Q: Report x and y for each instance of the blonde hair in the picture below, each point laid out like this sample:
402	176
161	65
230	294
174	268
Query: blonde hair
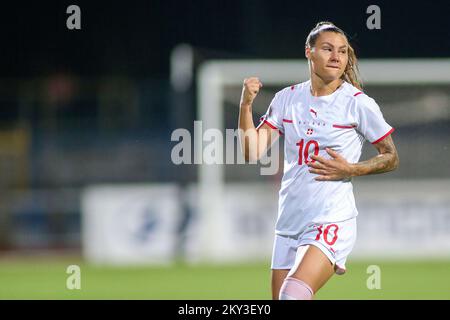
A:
351	72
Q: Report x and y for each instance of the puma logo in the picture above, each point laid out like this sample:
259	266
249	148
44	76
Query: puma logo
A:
313	111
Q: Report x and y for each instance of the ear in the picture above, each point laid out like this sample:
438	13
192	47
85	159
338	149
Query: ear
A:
308	53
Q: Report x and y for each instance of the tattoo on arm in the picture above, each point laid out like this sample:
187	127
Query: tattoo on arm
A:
387	159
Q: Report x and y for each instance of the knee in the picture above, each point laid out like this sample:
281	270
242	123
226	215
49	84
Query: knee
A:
295	289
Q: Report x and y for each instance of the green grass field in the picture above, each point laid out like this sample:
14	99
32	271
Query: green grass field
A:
46	279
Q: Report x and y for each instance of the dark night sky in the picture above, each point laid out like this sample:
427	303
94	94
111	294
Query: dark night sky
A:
135	37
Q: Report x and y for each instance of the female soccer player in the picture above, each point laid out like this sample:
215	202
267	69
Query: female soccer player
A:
324	122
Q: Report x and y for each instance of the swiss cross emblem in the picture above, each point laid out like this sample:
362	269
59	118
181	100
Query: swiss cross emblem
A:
309	132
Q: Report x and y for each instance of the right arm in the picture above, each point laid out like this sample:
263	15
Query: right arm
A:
254	142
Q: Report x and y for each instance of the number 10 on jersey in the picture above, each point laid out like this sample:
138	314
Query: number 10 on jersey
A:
303	150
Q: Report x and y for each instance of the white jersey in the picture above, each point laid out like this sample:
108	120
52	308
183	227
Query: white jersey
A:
340	121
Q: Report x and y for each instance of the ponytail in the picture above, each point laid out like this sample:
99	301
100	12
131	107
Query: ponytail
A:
351	73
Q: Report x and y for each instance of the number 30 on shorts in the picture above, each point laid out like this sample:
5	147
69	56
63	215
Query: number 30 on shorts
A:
326	233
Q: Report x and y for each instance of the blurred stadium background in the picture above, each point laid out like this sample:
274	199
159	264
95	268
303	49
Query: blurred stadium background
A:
86	123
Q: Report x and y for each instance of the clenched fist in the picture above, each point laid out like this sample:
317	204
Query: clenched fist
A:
250	90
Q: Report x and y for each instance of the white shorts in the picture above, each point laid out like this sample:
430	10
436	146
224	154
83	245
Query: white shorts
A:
334	239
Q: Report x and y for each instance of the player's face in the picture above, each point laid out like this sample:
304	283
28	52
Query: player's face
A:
329	56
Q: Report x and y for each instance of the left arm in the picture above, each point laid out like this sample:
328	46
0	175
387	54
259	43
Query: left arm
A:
338	168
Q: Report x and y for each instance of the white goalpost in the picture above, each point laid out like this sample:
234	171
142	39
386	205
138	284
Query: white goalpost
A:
214	76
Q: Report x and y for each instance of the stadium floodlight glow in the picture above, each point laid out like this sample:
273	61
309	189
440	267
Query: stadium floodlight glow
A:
214	75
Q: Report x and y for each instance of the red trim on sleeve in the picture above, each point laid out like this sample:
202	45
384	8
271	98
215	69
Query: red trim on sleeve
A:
358	93
382	138
272	126
287	120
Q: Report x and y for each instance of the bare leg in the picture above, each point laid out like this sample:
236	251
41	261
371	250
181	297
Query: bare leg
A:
315	269
278	276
